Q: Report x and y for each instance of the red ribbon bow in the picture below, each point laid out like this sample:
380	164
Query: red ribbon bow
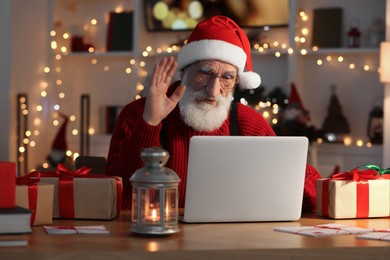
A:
62	170
29	179
356	175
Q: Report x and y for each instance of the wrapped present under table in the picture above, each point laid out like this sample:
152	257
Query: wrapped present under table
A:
354	194
38	197
80	195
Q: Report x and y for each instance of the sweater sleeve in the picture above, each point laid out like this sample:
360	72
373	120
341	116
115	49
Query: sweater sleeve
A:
309	193
131	134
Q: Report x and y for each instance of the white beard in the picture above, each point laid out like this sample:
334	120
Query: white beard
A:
203	116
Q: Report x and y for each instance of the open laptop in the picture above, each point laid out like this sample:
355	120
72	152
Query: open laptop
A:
245	179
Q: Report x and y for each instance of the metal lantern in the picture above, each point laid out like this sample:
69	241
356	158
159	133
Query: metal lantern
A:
354	35
375	125
155	208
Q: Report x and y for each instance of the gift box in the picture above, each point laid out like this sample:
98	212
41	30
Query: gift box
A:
7	184
354	194
38	197
81	195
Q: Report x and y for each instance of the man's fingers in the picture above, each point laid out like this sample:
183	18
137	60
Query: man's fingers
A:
163	74
155	74
177	95
171	72
162	67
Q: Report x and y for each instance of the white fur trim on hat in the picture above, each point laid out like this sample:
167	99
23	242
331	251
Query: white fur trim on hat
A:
211	49
219	50
249	80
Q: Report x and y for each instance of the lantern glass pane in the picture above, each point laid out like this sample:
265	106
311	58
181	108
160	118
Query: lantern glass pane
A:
134	206
171	207
151	207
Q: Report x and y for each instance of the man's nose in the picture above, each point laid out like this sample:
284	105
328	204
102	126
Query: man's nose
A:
214	87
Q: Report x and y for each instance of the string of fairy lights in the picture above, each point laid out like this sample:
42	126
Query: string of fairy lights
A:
269	109
53	90
302	43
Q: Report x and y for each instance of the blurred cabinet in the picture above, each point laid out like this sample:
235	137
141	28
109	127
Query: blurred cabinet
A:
326	157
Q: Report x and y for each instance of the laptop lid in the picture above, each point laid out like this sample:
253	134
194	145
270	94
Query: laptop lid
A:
245	178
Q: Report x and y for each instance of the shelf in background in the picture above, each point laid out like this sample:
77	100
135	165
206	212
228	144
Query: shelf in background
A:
111	54
344	51
325	157
253	52
269	52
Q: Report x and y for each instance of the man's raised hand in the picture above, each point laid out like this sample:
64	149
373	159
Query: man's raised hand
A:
158	105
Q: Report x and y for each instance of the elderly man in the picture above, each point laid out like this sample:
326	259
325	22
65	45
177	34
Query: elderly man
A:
214	61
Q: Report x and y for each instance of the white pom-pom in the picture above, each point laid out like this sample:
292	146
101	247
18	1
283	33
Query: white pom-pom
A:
249	80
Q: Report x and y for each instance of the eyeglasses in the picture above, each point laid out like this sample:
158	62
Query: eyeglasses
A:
205	75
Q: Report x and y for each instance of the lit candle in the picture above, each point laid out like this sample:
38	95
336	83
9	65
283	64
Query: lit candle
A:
154	215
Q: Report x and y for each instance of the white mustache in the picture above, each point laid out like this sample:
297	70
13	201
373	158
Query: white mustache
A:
203	116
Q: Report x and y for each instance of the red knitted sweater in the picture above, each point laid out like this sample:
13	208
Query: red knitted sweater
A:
132	134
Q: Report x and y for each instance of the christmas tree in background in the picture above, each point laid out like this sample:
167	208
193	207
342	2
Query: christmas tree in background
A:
335	125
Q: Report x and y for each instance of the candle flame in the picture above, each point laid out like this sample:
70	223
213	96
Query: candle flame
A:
154	214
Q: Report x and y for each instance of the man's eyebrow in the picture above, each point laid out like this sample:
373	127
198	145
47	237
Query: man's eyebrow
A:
234	72
207	68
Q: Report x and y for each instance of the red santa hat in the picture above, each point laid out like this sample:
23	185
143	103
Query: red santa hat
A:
295	98
222	39
59	142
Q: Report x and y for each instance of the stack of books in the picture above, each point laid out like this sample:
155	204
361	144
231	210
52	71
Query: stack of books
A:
15	220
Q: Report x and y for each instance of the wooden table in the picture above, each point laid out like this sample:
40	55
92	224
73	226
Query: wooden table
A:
194	241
